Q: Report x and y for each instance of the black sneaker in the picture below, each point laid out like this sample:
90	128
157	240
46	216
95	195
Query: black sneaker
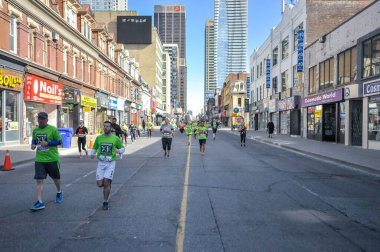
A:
105	205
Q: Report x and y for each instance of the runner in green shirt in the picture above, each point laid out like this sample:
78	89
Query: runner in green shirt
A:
202	131
189	132
45	139
106	147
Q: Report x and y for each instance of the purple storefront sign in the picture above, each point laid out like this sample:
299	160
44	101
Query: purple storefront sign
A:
324	98
371	88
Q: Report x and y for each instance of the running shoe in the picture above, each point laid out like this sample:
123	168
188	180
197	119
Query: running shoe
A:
59	197
38	206
86	153
105	205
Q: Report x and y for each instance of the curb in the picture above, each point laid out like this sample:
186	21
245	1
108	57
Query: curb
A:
353	165
67	152
357	166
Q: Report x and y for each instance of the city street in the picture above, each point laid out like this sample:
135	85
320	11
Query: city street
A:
254	198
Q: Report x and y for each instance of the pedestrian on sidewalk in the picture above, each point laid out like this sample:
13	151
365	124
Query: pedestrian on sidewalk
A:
270	128
202	132
106	147
143	125
243	133
124	128
150	128
167	131
45	139
81	132
116	129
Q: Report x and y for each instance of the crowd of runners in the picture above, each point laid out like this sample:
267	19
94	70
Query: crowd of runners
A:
107	147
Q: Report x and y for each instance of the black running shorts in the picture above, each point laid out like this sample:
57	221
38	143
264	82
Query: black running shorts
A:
51	168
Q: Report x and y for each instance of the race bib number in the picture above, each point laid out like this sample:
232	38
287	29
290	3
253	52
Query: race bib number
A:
105	158
167	134
105	152
40	138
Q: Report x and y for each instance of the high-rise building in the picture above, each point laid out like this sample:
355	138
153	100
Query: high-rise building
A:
170	21
107	5
172	50
210	67
231	32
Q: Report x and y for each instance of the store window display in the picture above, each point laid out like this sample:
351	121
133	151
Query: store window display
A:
374	121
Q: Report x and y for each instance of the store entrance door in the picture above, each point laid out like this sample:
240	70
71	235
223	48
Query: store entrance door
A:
356	122
329	123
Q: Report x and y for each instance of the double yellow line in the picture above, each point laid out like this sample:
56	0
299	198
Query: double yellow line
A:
182	220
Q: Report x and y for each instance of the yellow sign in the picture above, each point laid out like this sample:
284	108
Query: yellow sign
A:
233	115
318	113
10	79
88	101
87	109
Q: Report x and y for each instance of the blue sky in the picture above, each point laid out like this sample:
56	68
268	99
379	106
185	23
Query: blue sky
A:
263	15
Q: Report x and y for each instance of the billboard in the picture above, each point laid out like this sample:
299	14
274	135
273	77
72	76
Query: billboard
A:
134	29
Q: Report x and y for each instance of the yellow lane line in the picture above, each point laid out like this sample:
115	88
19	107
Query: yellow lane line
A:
182	220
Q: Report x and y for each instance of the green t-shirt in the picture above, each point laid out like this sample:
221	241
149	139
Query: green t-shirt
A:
46	154
105	147
189	129
203	131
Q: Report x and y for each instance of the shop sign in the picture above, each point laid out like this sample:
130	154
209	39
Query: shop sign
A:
371	88
120	104
333	96
38	89
300	34
87	101
87	109
133	105
70	95
351	91
286	104
112	103
272	105
267	74
138	106
133	111
10	80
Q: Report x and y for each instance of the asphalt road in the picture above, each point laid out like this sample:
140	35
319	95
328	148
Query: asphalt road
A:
253	198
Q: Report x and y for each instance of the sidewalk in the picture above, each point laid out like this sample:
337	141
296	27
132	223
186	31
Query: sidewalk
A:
357	157
22	153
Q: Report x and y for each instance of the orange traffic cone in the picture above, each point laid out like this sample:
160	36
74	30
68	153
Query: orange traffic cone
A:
91	144
7	162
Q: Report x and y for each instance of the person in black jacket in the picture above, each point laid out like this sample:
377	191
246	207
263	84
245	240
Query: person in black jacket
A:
116	128
270	128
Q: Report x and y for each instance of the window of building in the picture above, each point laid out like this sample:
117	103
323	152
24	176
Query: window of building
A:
371	59
257	71
261	68
45	52
86	30
284	80
326	74
297	77
347	66
71	16
89	72
285	48
82	69
274	84
260	94
312	79
74	66
31	44
275	56
239	102
13	34
65	61
111	49
374	120
295	34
